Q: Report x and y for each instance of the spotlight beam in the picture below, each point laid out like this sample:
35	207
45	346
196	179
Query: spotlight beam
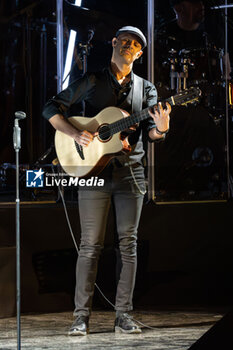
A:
69	54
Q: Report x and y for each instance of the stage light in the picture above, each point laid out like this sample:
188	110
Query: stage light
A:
221	7
78	2
69	54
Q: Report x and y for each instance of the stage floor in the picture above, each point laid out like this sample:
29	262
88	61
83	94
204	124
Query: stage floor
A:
173	330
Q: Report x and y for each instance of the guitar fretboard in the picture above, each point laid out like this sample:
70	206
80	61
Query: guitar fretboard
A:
134	118
183	98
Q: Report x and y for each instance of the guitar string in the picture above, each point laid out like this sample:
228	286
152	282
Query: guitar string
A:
123	124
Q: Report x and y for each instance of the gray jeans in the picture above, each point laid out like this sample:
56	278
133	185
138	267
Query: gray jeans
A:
93	208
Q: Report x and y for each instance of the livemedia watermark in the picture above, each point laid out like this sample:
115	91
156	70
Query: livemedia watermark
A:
39	179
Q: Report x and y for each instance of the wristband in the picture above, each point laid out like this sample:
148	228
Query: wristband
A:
161	132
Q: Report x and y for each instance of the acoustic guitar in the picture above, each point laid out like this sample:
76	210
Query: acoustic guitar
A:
109	123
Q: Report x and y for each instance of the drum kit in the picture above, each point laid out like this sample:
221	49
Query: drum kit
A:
201	67
191	160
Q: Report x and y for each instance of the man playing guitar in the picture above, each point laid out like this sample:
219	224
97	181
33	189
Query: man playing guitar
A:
116	86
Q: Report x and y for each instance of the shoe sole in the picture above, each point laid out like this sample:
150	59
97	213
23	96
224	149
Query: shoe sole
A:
121	330
78	333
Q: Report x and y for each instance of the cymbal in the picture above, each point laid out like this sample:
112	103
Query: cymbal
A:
80	19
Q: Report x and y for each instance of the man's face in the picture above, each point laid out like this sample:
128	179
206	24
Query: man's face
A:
190	11
196	9
127	47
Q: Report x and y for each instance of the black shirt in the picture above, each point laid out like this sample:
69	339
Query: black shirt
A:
100	90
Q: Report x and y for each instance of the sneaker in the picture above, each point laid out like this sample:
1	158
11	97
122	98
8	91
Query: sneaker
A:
80	326
125	324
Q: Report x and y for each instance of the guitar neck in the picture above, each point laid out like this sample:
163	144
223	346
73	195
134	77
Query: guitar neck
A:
134	118
182	98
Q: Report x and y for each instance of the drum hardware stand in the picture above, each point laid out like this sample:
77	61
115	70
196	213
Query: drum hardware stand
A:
179	70
17	145
182	77
221	7
173	73
221	54
231	185
229	176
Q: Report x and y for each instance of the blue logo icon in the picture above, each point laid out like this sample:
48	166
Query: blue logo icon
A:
35	178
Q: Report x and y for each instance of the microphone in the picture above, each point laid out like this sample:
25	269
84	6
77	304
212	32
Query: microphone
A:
19	115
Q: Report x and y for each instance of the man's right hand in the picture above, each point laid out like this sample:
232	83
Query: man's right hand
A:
84	137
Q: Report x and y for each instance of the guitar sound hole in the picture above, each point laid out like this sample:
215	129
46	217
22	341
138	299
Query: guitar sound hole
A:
104	133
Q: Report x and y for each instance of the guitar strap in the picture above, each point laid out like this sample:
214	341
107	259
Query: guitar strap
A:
133	100
137	93
135	96
137	99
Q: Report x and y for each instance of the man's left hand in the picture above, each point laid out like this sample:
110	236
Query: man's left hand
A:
161	116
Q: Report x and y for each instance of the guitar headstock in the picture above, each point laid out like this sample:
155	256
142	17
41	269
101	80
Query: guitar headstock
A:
188	96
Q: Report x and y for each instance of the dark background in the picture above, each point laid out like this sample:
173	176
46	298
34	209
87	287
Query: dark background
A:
185	250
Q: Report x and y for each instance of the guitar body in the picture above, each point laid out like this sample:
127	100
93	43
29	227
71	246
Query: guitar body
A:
90	160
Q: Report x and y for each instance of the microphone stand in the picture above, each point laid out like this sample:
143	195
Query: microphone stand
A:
85	51
221	7
17	146
229	178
